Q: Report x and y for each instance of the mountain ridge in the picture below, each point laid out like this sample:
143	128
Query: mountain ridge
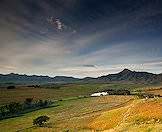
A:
125	75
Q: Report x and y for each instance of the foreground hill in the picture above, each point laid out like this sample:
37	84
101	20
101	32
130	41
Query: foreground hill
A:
123	76
71	115
106	113
141	115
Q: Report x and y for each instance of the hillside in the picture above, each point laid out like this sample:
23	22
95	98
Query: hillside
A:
106	113
141	115
123	76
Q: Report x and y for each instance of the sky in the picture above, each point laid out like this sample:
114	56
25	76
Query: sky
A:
80	38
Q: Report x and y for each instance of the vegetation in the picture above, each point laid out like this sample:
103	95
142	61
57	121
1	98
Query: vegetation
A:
73	114
118	92
13	109
57	92
11	87
77	111
40	121
140	115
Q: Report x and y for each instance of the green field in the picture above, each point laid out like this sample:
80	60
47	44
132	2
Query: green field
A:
70	114
74	110
55	93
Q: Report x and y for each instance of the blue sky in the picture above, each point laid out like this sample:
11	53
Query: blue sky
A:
80	37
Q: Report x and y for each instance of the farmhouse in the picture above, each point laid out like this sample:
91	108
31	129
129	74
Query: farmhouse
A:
99	94
111	92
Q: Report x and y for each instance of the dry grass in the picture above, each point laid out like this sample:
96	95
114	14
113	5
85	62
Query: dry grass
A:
108	120
141	115
157	91
20	94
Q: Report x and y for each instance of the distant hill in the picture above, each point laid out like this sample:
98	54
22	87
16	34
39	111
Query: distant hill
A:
34	79
124	76
132	76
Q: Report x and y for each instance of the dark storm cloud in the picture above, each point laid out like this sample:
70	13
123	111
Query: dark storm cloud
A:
62	34
89	65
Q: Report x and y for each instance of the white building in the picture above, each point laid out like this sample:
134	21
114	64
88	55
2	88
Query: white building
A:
99	94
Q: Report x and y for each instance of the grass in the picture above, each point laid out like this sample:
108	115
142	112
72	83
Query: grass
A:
108	120
141	115
116	113
155	91
75	113
69	115
64	91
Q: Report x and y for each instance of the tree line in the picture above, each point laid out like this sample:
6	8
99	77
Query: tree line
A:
15	108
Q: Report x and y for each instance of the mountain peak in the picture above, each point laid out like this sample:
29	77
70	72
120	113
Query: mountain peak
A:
126	71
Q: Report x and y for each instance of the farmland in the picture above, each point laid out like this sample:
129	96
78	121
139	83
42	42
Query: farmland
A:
74	110
60	92
156	91
70	114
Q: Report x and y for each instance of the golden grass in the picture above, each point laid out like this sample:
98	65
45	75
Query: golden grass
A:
140	116
108	120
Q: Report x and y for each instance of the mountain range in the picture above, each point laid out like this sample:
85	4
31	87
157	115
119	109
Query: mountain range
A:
124	76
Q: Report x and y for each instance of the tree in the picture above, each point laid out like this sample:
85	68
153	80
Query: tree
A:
40	121
42	103
28	102
3	110
14	107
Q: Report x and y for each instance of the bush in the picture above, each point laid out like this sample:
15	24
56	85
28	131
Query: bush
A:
118	92
42	103
40	121
28	101
14	107
144	95
11	87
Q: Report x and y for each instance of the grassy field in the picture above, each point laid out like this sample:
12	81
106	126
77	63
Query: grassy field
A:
144	116
156	91
140	115
69	115
86	114
55	93
107	113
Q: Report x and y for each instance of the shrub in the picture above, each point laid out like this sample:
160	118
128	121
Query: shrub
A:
40	121
42	103
14	107
11	87
3	110
28	101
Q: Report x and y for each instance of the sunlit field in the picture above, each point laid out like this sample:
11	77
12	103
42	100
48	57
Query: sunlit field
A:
115	113
74	110
140	115
69	115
